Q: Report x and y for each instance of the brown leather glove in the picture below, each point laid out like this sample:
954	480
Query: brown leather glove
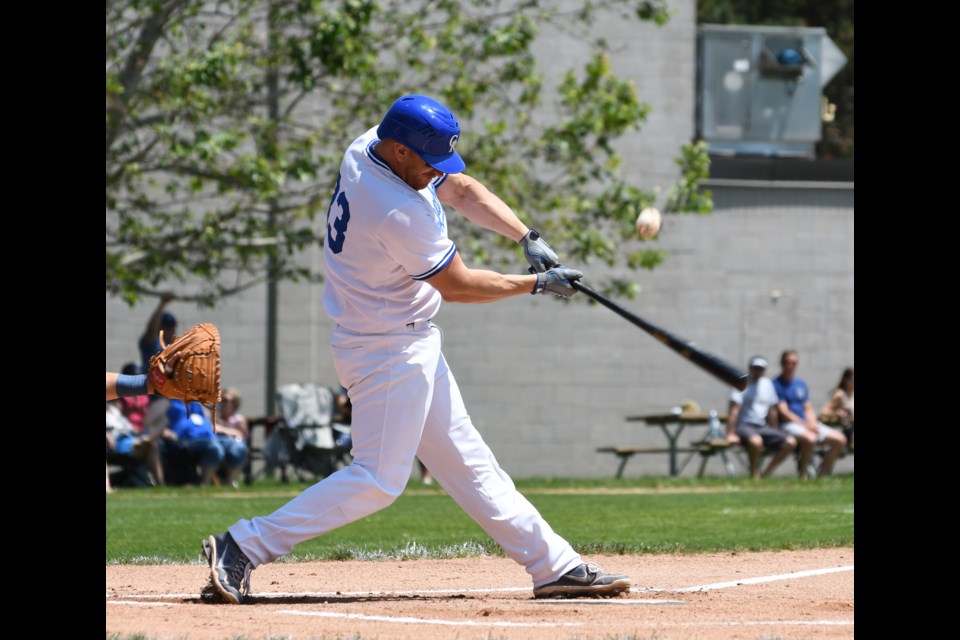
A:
188	368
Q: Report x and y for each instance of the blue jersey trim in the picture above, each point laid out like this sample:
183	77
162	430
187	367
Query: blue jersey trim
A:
439	181
376	158
440	266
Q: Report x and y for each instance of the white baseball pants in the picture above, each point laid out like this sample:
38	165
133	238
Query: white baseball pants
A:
406	404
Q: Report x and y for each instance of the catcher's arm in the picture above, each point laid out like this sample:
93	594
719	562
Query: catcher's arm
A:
121	386
125	386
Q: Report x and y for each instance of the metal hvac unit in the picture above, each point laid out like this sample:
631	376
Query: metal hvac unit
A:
760	89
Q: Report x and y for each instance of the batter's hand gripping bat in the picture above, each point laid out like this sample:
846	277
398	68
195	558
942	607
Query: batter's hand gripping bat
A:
707	361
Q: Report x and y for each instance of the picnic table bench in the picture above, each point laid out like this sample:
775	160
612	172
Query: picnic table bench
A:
672	425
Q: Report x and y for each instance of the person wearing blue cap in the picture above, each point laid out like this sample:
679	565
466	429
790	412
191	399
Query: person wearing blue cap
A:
149	342
388	265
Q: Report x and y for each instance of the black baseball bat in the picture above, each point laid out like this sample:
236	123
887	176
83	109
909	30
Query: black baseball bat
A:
707	361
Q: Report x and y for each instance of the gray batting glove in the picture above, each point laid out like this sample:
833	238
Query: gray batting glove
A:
558	281
539	254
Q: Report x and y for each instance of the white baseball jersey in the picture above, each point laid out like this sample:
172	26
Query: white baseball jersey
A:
384	239
755	401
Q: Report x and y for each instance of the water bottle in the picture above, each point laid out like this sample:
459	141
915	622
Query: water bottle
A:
715	433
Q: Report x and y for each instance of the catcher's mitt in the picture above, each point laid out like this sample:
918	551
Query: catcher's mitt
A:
188	368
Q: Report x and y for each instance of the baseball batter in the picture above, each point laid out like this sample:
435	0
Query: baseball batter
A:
389	263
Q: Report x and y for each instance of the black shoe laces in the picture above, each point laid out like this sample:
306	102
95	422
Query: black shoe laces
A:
239	573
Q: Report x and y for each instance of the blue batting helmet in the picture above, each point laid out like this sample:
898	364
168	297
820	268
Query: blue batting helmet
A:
426	127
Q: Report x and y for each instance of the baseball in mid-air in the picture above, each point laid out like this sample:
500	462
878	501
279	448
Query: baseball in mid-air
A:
648	223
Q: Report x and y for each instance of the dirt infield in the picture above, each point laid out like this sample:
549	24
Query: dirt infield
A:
787	595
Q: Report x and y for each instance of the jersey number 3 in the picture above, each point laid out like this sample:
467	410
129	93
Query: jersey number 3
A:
337	232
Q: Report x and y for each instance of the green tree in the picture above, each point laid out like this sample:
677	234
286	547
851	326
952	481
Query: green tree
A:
226	120
836	16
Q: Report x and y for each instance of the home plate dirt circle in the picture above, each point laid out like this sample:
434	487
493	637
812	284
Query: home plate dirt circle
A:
788	595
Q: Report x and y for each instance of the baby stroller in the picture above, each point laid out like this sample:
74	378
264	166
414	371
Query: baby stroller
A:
305	437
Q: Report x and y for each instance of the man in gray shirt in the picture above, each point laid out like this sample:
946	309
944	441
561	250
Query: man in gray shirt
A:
752	421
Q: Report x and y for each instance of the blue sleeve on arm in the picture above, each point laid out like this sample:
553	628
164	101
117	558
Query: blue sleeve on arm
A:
128	386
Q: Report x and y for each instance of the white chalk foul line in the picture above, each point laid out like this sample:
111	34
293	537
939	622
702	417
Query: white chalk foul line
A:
782	576
659	624
408	620
473	623
792	623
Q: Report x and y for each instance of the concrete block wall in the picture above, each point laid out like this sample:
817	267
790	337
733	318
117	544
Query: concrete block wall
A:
547	381
661	62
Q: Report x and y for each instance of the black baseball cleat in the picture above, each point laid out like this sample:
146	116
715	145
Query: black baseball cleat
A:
229	567
584	581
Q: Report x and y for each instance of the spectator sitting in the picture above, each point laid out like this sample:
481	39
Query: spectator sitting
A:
194	434
232	432
752	419
125	448
799	420
839	407
134	409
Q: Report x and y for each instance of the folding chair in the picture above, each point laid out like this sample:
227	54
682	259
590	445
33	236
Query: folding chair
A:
305	436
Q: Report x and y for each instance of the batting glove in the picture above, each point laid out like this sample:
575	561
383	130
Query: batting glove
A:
558	281
538	253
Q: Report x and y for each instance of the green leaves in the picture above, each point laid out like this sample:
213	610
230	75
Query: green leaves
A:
226	126
686	196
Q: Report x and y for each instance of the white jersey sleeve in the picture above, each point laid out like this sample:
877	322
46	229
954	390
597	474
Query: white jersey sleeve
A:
384	240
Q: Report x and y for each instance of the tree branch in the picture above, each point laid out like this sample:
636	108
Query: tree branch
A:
137	60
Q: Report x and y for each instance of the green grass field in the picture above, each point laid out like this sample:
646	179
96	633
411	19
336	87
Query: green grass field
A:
640	515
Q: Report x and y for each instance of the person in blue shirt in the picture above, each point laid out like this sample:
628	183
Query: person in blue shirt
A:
799	419
194	433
